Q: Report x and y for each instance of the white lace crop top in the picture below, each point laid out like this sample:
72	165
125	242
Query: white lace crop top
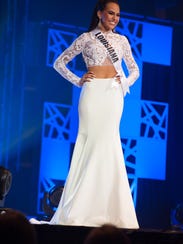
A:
95	54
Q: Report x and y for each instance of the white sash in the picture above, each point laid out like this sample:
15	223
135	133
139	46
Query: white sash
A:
114	59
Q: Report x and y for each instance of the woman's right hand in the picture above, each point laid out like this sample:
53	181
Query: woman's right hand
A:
87	77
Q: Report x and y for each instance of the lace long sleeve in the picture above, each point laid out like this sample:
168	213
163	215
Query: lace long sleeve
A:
60	64
130	63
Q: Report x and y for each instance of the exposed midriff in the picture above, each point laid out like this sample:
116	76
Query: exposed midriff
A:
106	71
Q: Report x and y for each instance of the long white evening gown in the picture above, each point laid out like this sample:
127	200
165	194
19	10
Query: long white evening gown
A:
97	189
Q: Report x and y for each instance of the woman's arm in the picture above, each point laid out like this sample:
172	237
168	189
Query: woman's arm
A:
130	63
65	57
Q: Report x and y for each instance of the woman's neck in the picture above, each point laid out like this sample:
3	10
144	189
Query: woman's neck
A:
102	29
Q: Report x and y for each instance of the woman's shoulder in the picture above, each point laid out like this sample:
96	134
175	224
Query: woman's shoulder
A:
121	36
88	35
83	37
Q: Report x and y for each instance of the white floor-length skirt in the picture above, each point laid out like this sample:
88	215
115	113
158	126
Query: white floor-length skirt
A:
97	189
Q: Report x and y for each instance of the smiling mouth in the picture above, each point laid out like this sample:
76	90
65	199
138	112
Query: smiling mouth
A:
112	23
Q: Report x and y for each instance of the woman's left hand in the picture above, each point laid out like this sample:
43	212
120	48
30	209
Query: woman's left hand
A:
118	78
87	77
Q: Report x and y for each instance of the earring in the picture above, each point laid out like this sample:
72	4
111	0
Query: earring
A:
99	23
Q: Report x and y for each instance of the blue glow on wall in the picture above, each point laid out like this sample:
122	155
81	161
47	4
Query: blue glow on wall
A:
157	44
55	152
151	159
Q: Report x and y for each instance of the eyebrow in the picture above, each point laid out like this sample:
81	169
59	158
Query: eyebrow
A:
109	10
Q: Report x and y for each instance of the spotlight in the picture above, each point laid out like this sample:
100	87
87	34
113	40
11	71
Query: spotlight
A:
55	195
177	217
5	183
51	200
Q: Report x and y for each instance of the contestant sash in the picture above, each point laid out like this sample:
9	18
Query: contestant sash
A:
114	59
111	51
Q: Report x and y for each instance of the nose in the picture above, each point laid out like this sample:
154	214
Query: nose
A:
115	17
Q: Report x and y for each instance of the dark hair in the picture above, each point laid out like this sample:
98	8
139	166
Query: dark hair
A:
14	226
101	4
107	234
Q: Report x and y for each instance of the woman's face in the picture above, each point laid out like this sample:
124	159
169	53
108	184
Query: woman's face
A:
109	17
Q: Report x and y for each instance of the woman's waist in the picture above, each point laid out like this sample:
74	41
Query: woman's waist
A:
102	83
103	72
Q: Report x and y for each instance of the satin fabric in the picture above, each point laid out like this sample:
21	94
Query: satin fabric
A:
97	189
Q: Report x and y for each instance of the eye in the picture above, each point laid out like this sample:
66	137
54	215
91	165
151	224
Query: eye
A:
113	13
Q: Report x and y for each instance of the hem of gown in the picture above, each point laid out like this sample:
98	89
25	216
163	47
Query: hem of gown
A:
35	221
97	223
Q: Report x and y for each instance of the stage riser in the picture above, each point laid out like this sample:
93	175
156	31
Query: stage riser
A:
69	234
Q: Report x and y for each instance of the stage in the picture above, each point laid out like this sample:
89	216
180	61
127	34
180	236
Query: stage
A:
76	234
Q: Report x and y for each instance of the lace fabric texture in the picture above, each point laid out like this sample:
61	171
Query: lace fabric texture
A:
95	54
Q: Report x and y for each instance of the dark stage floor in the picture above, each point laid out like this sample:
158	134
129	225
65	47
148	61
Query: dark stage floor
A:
69	234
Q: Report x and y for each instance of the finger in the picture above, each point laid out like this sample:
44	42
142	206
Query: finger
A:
118	79
88	80
90	74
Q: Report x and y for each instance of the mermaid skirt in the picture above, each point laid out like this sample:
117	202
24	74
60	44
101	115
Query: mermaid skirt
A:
97	189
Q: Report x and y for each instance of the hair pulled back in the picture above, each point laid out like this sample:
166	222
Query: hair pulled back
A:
100	6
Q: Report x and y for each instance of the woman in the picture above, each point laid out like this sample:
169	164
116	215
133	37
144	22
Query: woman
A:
97	189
